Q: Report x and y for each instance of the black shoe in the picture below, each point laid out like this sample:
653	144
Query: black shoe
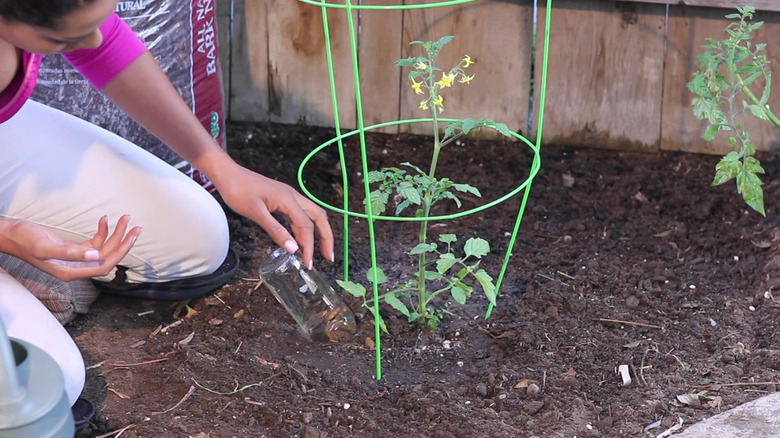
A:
176	290
83	412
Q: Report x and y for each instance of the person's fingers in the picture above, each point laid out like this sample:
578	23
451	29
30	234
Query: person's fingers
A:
325	233
68	270
122	248
303	230
275	230
101	234
319	218
115	239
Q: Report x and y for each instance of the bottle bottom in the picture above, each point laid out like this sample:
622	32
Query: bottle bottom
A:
331	324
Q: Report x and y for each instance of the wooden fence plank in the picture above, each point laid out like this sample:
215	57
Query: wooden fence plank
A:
380	47
497	35
761	5
688	29
248	91
605	74
280	71
299	89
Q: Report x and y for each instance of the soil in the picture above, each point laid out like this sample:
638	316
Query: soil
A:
622	259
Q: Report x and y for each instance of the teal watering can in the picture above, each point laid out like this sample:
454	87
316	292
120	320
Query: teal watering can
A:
33	402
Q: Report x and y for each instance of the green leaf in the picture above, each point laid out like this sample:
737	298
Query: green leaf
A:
757	111
699	85
408	191
396	304
431	275
401	207
447	238
476	247
467	189
448	195
406	62
355	289
422	248
486	281
751	190
380	275
752	165
726	169
379	320
468	125
450	129
445	39
445	262
458	294
502	128
710	133
378	201
767	88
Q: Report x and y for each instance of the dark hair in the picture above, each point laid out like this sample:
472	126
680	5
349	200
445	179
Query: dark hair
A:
41	13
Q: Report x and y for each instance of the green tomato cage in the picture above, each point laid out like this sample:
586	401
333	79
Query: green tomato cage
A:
361	130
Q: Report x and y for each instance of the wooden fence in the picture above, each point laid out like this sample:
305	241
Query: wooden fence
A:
617	69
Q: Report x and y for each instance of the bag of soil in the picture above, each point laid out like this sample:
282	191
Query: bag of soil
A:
182	35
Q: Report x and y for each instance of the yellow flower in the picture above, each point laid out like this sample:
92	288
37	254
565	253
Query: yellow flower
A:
424	104
439	100
446	80
468	61
421	65
466	79
416	86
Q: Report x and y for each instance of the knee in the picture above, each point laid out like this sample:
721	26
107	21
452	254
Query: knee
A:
75	374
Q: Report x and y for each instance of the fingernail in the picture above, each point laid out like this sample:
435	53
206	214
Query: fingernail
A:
311	265
332	257
91	255
290	246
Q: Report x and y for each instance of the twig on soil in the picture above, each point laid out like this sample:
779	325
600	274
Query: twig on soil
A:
642	365
235	391
553	279
183	399
117	433
119	394
130	365
678	360
719	385
171	325
620	321
487	331
566	275
97	365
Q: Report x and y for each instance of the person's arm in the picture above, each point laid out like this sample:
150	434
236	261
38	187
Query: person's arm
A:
129	75
145	93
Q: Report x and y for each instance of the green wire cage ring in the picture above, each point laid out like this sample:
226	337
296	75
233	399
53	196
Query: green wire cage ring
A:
361	132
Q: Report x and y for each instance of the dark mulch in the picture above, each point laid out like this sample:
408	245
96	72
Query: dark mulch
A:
622	259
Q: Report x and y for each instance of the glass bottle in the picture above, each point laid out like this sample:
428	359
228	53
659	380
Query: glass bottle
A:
320	313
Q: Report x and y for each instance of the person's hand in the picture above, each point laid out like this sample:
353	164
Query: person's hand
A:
67	260
257	197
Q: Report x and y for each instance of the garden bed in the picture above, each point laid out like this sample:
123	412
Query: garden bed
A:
622	259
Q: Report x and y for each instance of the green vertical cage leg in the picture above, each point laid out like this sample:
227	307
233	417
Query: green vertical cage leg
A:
538	142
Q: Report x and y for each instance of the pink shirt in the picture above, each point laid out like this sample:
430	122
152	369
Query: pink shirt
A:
119	49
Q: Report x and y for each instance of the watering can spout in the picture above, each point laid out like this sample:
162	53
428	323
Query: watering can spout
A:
11	392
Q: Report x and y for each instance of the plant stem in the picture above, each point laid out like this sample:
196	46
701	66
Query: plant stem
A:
772	117
422	295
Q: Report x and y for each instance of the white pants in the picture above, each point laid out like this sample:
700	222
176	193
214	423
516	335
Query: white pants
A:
64	174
